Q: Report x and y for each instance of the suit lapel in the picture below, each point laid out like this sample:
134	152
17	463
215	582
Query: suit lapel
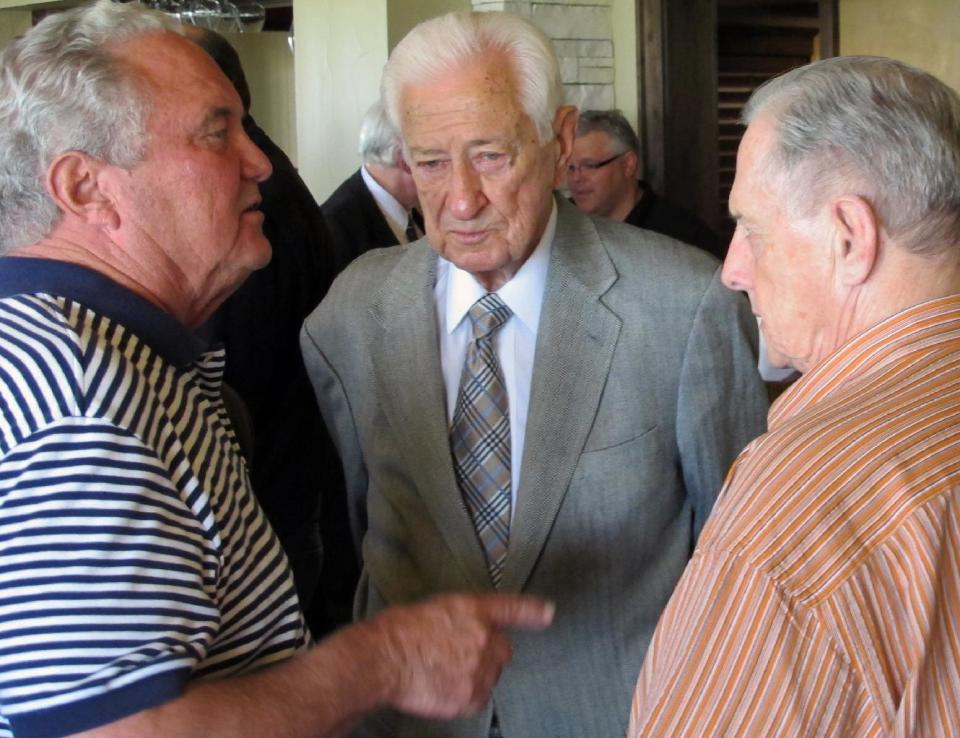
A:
575	346
406	364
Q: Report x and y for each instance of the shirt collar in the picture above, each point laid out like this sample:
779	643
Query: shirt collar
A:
388	204
160	330
523	294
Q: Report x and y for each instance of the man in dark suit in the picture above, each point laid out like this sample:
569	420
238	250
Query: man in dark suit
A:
293	465
375	206
528	399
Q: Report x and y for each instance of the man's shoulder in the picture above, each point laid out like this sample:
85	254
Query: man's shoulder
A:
35	329
345	195
641	254
43	358
366	277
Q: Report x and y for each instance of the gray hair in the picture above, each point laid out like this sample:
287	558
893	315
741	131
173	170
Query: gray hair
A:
612	122
62	90
883	127
451	41
379	142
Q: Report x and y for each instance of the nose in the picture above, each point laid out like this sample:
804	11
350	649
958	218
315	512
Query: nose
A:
737	265
466	198
256	165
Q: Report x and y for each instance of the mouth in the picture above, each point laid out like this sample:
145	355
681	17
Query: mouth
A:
469	237
253	207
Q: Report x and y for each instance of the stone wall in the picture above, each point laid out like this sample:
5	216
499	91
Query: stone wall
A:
582	32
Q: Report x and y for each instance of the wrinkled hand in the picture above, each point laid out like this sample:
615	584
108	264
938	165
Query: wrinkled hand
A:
447	653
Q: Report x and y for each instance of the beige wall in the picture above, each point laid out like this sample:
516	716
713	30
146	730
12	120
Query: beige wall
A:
341	48
12	24
625	83
268	66
402	15
920	32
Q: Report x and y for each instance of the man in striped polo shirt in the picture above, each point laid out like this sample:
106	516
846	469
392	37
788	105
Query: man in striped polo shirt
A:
142	592
824	595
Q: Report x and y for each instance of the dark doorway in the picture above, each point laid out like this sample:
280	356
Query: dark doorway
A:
700	60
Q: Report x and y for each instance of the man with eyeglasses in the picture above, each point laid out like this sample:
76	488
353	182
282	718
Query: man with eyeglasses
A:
602	177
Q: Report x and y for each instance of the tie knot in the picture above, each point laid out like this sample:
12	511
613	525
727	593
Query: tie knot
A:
487	314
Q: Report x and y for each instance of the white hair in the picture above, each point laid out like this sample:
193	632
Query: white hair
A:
887	129
449	42
62	90
379	142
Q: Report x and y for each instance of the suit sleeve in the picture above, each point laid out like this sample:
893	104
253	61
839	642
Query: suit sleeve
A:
318	343
722	402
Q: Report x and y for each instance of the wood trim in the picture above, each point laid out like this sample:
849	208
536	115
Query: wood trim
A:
650	28
829	28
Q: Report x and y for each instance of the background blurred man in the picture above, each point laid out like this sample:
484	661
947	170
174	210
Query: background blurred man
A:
604	179
293	465
375	206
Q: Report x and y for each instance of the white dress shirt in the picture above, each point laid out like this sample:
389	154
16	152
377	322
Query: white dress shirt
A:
395	214
516	341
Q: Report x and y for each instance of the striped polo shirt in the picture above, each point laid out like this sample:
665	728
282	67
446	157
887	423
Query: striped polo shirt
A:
824	596
133	556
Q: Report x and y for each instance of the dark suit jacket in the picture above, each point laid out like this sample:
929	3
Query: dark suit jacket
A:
644	390
357	218
294	466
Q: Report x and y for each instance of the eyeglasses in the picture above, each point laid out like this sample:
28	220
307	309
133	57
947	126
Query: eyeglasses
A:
592	166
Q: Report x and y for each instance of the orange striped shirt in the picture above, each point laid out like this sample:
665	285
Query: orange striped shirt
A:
824	596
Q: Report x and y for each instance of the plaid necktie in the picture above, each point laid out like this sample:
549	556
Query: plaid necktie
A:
480	435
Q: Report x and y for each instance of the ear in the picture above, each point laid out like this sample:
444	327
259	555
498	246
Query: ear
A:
401	161
565	131
630	164
857	238
74	182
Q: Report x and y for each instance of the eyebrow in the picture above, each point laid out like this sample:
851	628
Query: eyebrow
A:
217	114
470	145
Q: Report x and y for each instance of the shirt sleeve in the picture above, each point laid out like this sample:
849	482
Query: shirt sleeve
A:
107	580
733	656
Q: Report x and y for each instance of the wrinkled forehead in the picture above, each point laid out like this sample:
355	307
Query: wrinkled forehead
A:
484	82
177	77
164	62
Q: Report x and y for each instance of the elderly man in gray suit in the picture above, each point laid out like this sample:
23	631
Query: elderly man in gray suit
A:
527	399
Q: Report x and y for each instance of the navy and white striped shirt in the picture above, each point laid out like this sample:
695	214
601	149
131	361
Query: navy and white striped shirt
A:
133	556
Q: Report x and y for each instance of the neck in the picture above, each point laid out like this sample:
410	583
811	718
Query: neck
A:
97	253
901	280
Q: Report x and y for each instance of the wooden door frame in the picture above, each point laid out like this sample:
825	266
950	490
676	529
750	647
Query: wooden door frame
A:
677	71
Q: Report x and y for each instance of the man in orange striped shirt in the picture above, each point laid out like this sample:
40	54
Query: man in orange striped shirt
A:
824	596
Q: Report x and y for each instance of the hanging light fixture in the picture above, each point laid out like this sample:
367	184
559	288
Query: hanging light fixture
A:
223	16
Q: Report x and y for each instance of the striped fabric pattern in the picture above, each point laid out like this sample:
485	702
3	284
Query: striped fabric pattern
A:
133	556
824	596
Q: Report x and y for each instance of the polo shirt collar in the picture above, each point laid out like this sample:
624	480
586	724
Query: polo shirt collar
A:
160	330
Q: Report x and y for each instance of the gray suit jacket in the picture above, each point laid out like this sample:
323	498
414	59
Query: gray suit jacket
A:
644	390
